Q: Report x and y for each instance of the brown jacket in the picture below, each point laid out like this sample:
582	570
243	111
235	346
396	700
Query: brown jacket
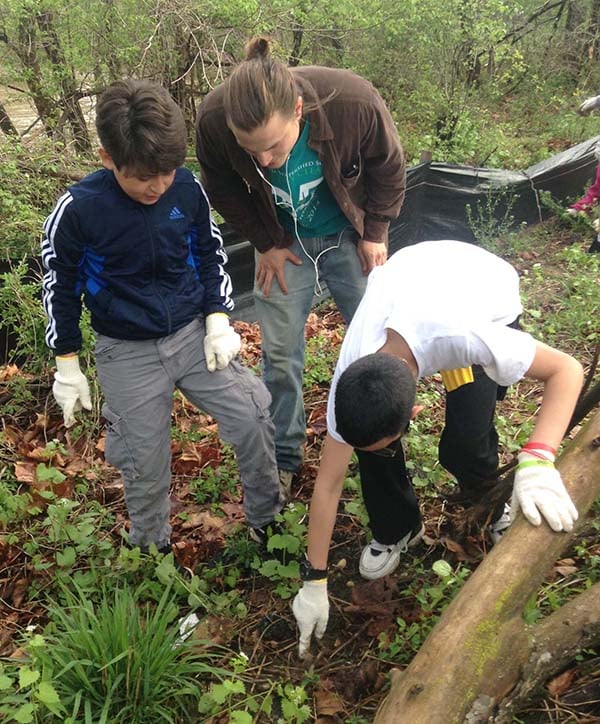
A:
352	131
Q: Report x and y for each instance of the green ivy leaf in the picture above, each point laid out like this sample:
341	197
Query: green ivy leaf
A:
67	557
165	571
5	682
44	472
240	717
27	677
46	693
24	714
442	568
37	641
283	541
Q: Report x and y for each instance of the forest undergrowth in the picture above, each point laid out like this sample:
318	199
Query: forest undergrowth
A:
89	628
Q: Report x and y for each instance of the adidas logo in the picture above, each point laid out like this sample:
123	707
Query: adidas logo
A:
175	214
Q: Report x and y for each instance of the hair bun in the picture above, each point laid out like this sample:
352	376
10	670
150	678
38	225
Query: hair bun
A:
258	48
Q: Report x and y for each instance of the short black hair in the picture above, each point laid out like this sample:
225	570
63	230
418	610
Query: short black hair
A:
141	127
374	398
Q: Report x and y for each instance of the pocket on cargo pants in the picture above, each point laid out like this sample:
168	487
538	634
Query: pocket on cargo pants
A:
117	451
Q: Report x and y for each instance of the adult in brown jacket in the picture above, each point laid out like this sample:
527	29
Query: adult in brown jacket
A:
306	163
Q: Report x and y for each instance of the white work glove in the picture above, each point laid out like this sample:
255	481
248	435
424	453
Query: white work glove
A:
588	105
539	489
311	609
70	389
221	343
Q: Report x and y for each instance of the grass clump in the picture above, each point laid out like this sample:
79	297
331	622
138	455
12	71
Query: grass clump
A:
118	659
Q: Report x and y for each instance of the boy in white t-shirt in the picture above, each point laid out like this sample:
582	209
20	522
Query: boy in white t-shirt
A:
436	306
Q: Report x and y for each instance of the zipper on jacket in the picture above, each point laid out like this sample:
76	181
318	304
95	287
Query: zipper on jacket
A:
148	213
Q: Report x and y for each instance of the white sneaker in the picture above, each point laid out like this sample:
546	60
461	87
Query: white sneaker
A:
500	526
378	560
285	485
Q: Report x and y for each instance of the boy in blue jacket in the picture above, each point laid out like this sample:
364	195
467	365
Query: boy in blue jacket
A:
136	240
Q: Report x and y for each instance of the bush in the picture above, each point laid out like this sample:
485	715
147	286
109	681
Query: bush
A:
32	179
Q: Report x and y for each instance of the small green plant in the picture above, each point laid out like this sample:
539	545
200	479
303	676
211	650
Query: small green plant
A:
433	598
27	689
231	696
111	661
492	218
293	701
355	506
321	356
213	483
286	546
20	397
570	313
14	506
23	315
579	222
27	194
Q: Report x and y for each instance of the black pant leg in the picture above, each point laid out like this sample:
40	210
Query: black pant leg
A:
468	447
389	497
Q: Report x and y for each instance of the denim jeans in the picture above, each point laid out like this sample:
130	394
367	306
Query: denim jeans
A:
282	318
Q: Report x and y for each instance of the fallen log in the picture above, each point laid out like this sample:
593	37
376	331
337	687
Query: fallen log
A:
482	660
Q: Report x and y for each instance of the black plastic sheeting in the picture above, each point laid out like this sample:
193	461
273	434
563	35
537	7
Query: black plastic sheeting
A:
435	207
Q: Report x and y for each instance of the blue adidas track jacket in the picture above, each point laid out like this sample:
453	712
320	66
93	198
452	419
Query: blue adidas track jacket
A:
144	271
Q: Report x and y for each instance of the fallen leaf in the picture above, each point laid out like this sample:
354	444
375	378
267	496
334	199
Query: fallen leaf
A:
234	512
8	371
25	472
457	549
19	591
566	570
213	631
204	520
19	654
318	419
12	435
561	683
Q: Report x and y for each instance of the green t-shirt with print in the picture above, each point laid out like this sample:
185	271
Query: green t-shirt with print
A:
299	187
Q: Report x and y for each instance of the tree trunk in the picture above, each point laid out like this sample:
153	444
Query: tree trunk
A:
6	125
557	640
297	36
481	649
111	46
69	94
25	48
593	40
178	87
574	37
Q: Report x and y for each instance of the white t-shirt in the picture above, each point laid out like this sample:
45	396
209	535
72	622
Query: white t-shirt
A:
451	302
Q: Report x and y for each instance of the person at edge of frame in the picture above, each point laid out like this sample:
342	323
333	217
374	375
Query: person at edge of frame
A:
588	203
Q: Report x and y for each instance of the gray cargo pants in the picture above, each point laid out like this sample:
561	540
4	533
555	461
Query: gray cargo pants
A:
138	379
